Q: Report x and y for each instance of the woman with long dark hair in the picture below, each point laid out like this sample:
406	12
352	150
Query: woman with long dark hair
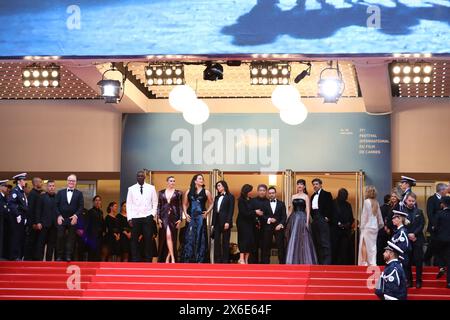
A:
300	246
170	202
222	222
125	232
341	229
246	224
195	247
112	233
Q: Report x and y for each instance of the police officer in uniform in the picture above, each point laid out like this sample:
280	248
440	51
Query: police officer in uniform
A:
406	183
392	282
4	212
416	237
400	236
18	205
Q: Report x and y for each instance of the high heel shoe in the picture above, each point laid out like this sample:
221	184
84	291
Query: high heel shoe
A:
241	261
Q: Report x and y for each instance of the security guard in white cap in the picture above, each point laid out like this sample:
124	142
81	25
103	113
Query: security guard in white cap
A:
406	184
392	282
18	205
4	212
400	236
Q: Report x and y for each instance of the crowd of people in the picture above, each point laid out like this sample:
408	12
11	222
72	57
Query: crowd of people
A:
171	225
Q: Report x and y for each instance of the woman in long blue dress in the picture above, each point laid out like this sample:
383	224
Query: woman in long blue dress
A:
195	246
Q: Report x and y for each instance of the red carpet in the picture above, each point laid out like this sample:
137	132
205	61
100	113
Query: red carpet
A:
43	280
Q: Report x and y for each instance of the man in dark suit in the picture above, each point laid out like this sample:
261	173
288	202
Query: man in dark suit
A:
46	223
415	235
442	232
276	226
31	232
18	205
222	222
69	205
4	212
261	207
321	212
433	207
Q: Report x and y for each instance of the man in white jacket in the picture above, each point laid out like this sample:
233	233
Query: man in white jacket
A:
142	203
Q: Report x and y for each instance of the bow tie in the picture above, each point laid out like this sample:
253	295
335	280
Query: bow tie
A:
69	190
273	200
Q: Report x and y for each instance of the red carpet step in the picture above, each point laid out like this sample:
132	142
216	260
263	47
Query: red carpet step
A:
106	281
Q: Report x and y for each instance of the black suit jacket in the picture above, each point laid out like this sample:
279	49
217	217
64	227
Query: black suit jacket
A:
442	225
279	214
433	207
65	209
417	222
225	213
33	199
46	210
262	204
325	204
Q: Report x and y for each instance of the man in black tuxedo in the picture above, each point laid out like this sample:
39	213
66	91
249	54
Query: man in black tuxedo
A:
261	207
433	207
277	225
442	233
46	223
69	205
321	212
222	222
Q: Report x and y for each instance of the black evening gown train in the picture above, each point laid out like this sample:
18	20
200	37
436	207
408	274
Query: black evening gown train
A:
300	247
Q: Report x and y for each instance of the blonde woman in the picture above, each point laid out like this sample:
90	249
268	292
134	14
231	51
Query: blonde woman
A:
371	222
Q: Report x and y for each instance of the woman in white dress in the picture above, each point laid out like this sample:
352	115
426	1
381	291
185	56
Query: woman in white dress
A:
371	222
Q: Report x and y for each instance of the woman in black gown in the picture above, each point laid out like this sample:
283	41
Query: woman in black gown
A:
125	232
112	233
246	225
300	247
195	246
170	203
341	229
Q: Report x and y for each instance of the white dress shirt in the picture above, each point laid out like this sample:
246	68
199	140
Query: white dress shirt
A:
273	205
141	205
69	195
315	201
219	202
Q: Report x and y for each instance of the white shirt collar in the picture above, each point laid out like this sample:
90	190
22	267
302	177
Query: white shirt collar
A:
438	196
20	187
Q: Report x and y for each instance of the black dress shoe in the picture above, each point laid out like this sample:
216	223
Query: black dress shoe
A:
440	273
418	284
59	259
68	259
448	285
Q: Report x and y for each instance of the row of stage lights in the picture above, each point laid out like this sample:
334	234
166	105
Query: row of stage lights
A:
405	72
41	76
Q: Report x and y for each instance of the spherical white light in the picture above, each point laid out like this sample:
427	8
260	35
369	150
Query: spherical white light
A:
149	72
181	96
197	112
416	79
178	71
255	81
427	80
264	71
285	96
254	71
168	72
396	69
27	83
396	80
45	83
295	114
36	73
417	69
407	79
285	71
427	69
55	73
26	73
159	72
406	69
274	71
